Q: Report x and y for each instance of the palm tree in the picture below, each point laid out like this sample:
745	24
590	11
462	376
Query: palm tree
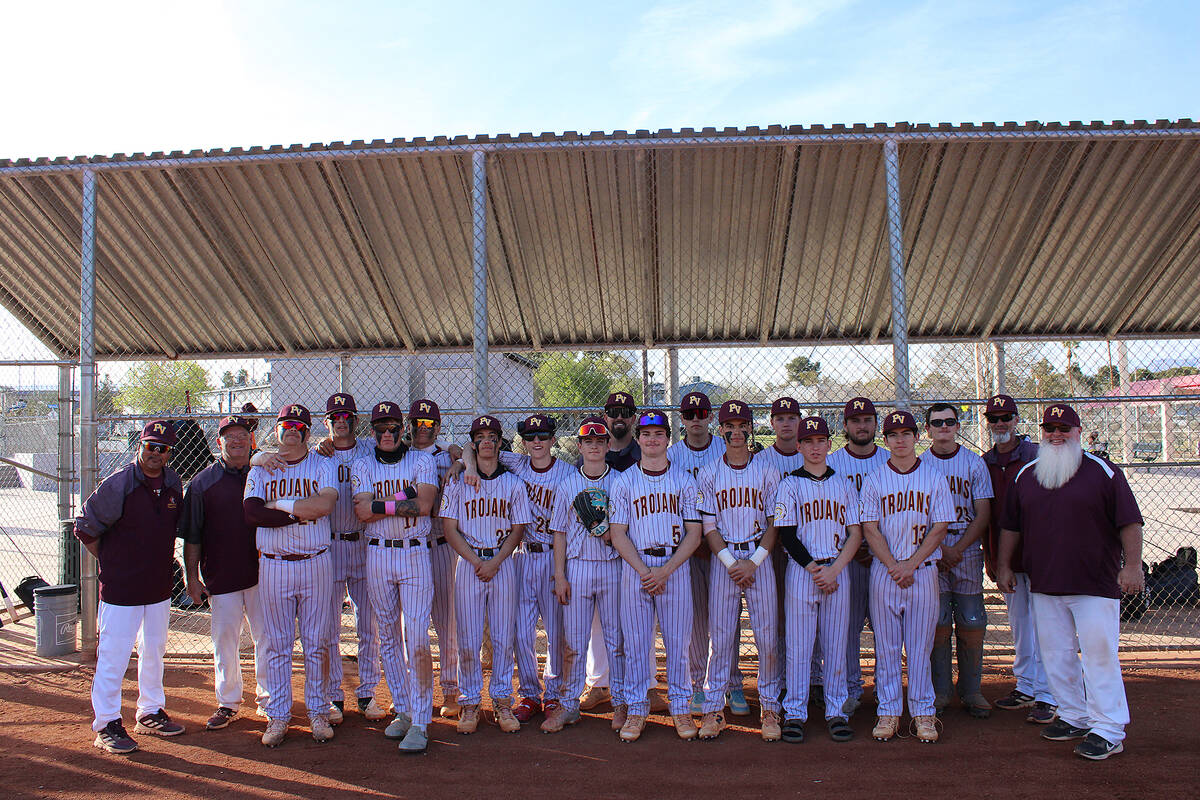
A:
1071	347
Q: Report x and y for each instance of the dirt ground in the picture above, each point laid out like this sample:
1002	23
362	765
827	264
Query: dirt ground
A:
46	751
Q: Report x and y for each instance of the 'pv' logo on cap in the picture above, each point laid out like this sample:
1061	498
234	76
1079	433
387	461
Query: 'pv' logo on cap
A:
812	423
296	410
1056	411
425	407
785	403
897	418
621	398
160	428
695	401
385	407
859	404
485	421
339	400
735	408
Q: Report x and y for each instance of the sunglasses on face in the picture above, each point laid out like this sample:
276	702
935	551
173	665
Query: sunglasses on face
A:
1056	428
156	448
699	413
943	423
999	417
540	436
392	429
339	416
591	429
423	423
293	425
619	412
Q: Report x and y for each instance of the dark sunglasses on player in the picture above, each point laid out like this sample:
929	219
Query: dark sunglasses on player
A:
422	423
697	413
1056	428
619	412
156	448
943	423
339	416
591	429
999	417
393	429
652	418
293	425
539	436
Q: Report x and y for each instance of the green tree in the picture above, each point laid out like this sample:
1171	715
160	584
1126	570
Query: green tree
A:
583	380
107	401
803	370
154	387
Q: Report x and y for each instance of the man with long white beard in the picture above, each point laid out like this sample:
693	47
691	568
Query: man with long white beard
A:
1081	535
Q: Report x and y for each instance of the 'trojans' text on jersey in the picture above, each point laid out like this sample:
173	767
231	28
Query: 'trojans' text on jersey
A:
486	507
656	503
290	487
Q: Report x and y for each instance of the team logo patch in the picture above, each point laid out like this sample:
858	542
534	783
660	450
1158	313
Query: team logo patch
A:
859	404
339	400
897	418
735	408
779	510
425	407
1056	411
694	400
295	411
171	504
385	408
160	428
785	403
811	424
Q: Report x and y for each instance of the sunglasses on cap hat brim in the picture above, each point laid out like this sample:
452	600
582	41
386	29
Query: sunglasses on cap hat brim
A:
651	420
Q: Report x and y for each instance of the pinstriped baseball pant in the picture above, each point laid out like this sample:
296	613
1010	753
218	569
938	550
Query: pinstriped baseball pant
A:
402	592
289	591
674	611
595	589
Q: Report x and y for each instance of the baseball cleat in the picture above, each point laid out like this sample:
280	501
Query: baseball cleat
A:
1060	731
737	703
158	724
1014	700
415	741
322	731
398	727
594	697
926	727
505	717
369	708
220	718
335	715
632	729
450	708
885	727
275	732
685	726
113	738
771	731
620	714
558	718
525	709
1096	748
468	719
712	725
1041	713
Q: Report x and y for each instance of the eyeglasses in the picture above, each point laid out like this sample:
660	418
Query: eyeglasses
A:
999	417
591	429
943	423
392	429
619	412
422	423
1056	428
696	413
156	448
652	418
293	425
540	436
339	416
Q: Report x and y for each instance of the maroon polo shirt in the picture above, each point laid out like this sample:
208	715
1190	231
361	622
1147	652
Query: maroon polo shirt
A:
1071	535
1003	468
213	518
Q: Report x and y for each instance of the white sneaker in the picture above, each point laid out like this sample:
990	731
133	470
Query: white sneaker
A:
398	727
335	715
370	709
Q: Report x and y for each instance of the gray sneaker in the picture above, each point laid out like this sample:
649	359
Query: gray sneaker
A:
399	726
415	741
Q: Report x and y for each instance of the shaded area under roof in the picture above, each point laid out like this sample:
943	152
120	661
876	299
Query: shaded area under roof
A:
737	236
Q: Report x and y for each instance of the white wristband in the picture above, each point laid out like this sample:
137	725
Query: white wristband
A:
286	505
726	557
760	555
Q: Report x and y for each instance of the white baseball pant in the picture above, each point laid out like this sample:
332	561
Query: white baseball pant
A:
443	561
350	574
724	604
227	612
473	601
535	598
287	591
674	611
904	620
595	594
811	612
121	628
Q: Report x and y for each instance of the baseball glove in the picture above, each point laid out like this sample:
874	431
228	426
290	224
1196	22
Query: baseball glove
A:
592	507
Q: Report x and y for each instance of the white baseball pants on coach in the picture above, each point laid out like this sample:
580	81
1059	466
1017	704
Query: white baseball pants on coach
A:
904	619
401	588
289	591
1027	656
227	612
121	628
724	607
595	594
473	599
535	598
1086	682
443	561
674	611
809	612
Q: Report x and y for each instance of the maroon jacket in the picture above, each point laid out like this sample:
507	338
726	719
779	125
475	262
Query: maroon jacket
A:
213	518
1002	478
135	529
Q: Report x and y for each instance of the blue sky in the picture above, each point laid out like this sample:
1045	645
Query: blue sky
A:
112	77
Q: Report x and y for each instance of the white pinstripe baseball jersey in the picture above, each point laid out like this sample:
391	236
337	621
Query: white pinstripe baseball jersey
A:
486	514
581	544
820	510
856	468
654	506
783	462
342	520
968	480
740	499
294	482
906	505
384	480
442	460
683	455
540	485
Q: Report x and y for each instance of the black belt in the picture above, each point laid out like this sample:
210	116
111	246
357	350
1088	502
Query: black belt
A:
350	536
293	556
486	552
928	563
438	540
658	551
538	547
823	562
398	542
747	546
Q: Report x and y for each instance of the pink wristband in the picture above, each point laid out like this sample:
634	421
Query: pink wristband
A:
389	507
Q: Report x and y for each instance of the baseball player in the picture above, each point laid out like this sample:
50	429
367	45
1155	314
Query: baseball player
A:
860	457
425	425
587	575
128	525
906	508
960	569
218	540
1010	452
349	551
394	491
817	519
737	510
656	528
290	509
484	525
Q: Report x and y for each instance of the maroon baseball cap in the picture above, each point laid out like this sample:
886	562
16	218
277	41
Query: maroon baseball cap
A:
234	421
899	420
785	405
485	423
857	406
621	400
386	410
1000	404
538	423
813	426
159	431
295	412
695	401
1061	414
734	409
425	409
340	402
250	408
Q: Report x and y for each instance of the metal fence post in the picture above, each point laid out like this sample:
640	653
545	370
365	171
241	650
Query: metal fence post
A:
69	568
999	384
88	447
479	266
672	398
891	172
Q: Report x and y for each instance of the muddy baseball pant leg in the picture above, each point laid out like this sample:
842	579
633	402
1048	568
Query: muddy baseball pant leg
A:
725	600
536	599
368	638
470	607
577	618
414	585
443	561
832	620
501	616
313	606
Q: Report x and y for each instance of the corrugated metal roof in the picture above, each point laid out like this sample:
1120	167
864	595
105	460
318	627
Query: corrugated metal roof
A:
687	237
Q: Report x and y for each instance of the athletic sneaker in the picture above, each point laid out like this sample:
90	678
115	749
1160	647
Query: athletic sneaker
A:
220	718
594	697
1014	700
1096	748
322	731
276	730
712	725
526	709
851	705
1060	731
685	726
335	715
113	738
737	703
468	718
158	724
415	741
398	727
369	708
1041	713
